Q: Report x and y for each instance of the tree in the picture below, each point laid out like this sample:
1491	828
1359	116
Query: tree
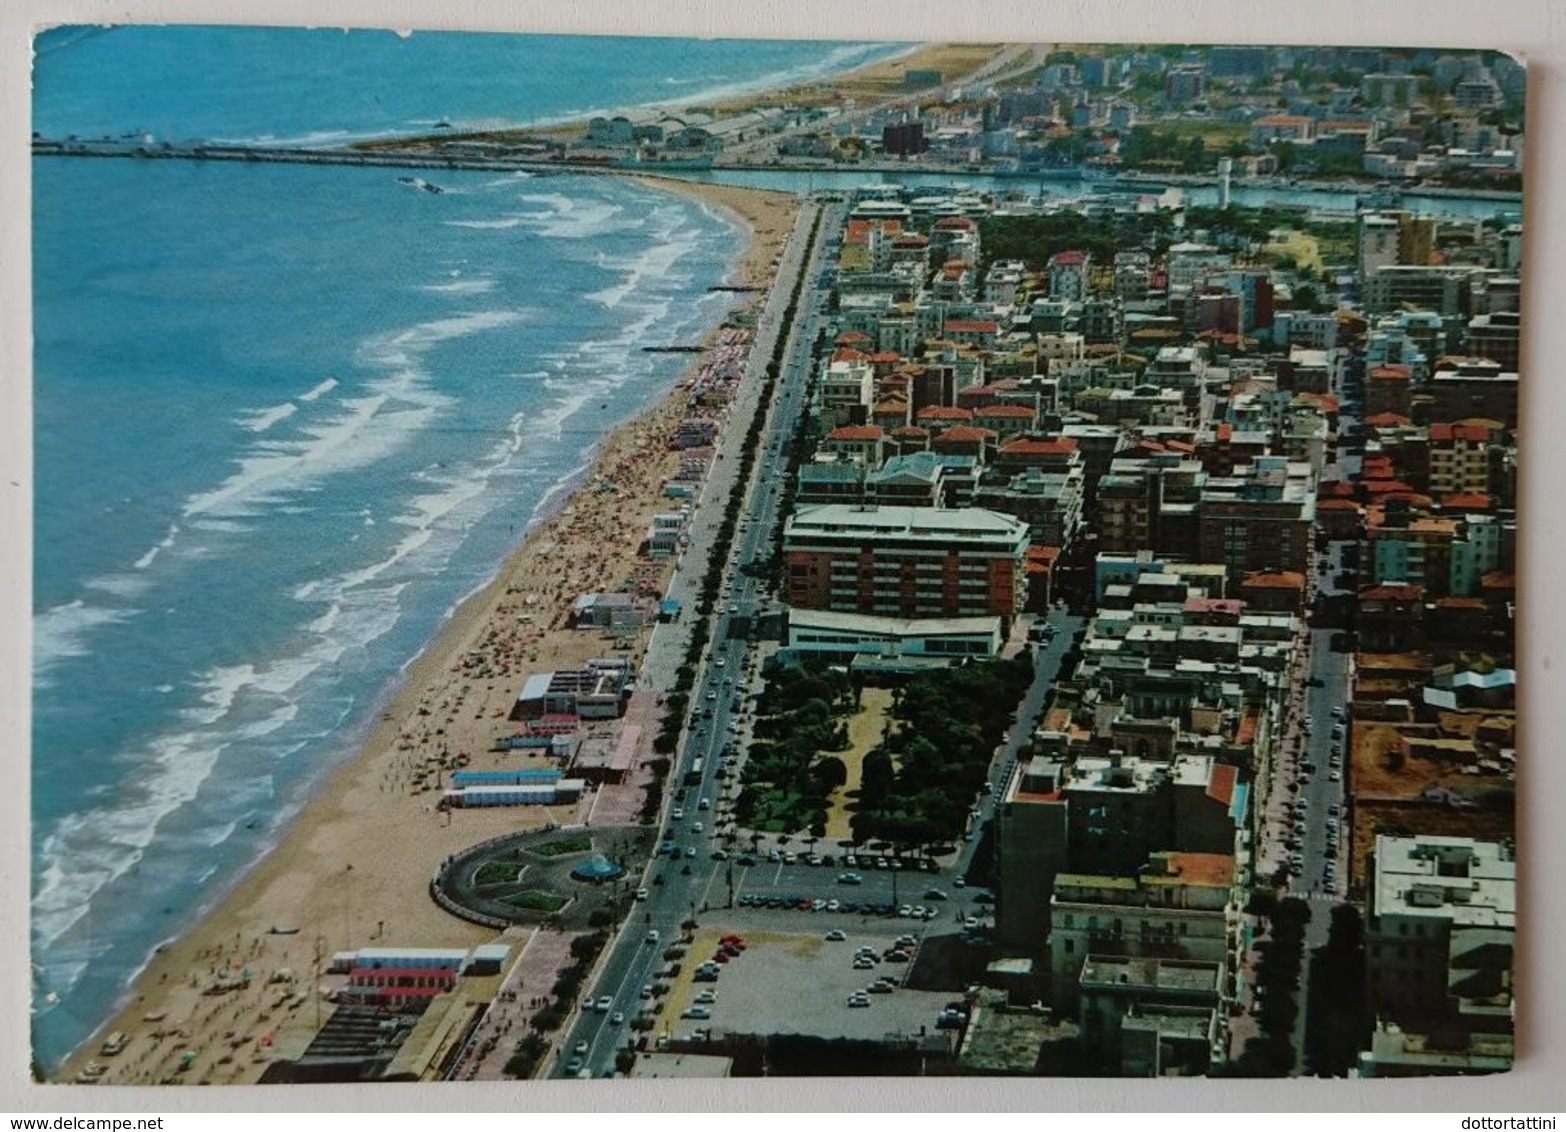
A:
1338	1021
875	778
831	773
1307	297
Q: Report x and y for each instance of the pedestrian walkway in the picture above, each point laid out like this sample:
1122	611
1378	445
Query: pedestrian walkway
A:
524	993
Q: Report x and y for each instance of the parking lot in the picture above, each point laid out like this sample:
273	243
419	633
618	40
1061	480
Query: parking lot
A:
798	983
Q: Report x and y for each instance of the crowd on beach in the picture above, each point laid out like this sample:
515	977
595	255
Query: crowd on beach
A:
449	714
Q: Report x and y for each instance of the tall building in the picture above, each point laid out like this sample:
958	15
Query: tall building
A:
1181	906
1440	934
1258	519
905	561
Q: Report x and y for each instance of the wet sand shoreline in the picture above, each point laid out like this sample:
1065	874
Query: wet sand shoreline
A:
352	868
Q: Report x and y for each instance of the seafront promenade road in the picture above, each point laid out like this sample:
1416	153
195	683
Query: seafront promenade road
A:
629	960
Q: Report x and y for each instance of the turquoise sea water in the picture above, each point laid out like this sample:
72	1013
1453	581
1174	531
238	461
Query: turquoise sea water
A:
287	417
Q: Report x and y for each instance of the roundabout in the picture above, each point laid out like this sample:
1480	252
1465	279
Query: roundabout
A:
569	878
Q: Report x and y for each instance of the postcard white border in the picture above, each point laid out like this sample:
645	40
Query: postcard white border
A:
1527	28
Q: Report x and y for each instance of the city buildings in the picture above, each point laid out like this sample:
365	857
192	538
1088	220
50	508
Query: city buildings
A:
905	561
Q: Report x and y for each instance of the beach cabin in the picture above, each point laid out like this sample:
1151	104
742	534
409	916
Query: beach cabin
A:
564	791
610	611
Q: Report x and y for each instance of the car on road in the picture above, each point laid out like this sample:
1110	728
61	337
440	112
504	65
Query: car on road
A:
618	1019
605	1004
934	894
574	1066
677	814
706	997
858	998
652	935
581	1049
641	894
697	1012
850	878
836	935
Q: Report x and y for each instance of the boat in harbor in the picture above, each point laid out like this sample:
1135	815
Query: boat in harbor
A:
420	183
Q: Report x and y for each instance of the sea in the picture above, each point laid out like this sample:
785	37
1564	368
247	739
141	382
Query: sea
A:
287	417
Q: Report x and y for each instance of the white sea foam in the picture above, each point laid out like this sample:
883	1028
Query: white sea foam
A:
324	387
462	287
92	848
652	265
327	621
568	218
366	429
507	222
61	632
222	687
168	540
120	585
262	419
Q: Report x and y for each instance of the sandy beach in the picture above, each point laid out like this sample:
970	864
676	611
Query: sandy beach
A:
352	870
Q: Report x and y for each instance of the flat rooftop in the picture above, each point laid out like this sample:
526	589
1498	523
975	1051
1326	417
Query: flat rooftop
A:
1465	881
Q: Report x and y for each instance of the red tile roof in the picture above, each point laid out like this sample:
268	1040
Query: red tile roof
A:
1068	259
944	413
1467	501
1276	579
1013	411
960	326
1388	420
1391	593
1028	446
1383	487
1220	786
964	434
1213	605
856	432
1209	870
